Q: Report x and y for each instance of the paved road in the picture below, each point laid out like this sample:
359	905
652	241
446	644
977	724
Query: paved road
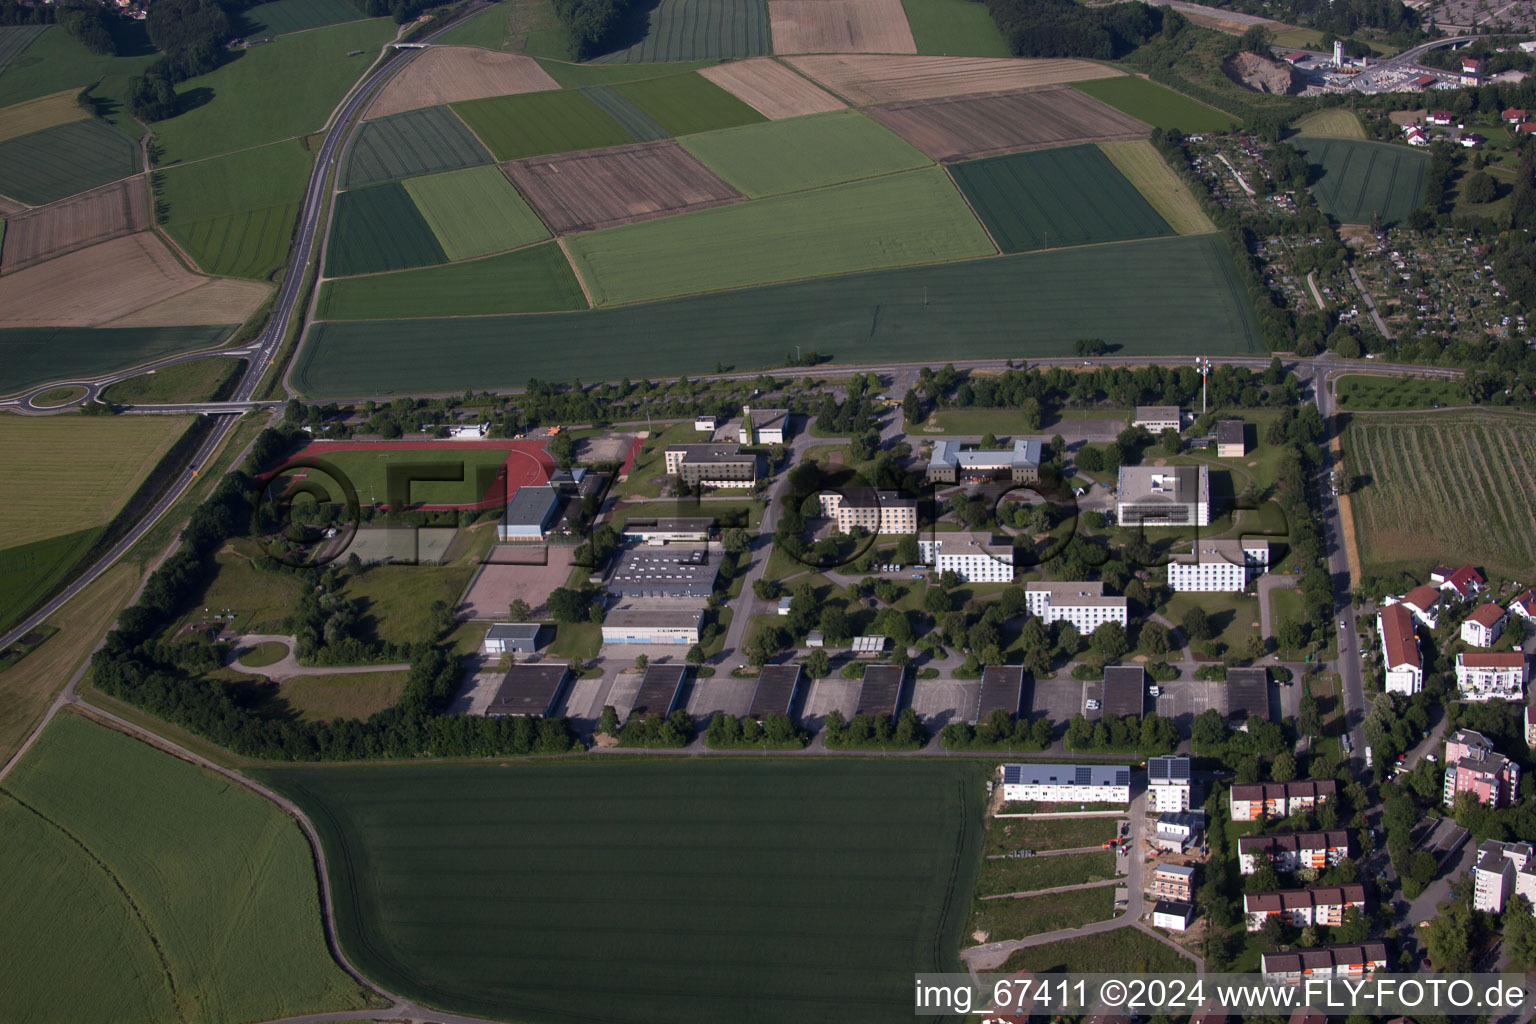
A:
289	666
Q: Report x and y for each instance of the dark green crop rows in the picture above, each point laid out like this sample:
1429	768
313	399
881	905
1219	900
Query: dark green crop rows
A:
1362	178
677	30
63	160
379	228
404	145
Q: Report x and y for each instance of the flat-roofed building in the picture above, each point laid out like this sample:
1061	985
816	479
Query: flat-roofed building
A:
1082	603
530	512
1357	960
1275	800
673	571
1225	566
1288	851
1157	418
880	692
1173	882
512	638
1124	691
1486	675
660	690
763	426
881	512
1002	689
1302	907
1168	784
953	462
1174	915
1177	831
974	559
1400	650
1473	766
711	465
667	530
1500	871
777	686
528	690
1163	496
1230	443
871	643
654	621
1066	783
1247	693
706	424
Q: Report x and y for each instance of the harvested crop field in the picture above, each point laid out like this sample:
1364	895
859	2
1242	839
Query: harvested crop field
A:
840	26
1167	290
1056	197
865	79
1363	178
837	230
63	160
536	123
44	112
966	127
685	104
379	228
474	212
410	144
538	279
92	286
771	89
807	152
1144	167
221	301
30	356
448	74
606	187
74	223
679	30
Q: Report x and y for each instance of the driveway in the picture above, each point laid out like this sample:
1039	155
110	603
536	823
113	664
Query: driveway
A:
289	666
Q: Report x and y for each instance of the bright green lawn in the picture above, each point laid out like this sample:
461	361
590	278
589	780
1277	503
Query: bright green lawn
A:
274	91
1156	104
189	897
687	104
836	230
803	152
475	212
954	28
532	280
535	123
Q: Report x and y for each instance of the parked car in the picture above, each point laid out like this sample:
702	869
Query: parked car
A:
1155	691
1093	705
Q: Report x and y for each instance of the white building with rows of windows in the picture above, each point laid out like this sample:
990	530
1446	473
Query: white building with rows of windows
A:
1218	565
1064	783
1083	604
973	559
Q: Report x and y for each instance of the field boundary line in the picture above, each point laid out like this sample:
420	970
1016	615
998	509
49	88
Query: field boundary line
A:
1027	893
571	262
997	249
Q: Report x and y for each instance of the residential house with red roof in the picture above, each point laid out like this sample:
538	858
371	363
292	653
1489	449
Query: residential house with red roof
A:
1302	907
1288	851
1400	650
1350	961
1483	626
1512	115
1441	117
1484	675
1424	603
1464	582
1250	801
1524	606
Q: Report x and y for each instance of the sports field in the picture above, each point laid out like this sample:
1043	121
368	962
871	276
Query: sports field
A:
1028	306
535	123
235	214
186	894
1333	123
837	230
954	28
406	145
60	161
30	356
1157	105
1442	489
283	16
1362	178
1056	197
677	30
474	212
44	112
537	279
778	901
1145	168
379	228
802	153
431	473
275	91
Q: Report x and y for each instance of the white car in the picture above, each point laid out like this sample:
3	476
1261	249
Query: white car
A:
1093	705
1155	691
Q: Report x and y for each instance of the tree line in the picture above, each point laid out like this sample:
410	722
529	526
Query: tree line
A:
1062	28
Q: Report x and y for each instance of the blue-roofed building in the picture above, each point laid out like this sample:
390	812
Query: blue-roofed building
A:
1067	783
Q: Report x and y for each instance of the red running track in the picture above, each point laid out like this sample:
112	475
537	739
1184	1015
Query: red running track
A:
527	464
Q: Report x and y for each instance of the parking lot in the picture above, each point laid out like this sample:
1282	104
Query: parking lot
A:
941	701
1059	699
721	693
826	694
1183	700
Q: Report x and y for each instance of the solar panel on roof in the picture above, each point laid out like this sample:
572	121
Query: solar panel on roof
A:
1083	776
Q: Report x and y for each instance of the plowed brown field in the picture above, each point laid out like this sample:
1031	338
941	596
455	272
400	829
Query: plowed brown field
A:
605	187
74	223
448	74
771	89
91	286
976	126
839	26
864	79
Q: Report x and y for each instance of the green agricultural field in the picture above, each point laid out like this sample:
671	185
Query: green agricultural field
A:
475	212
198	891
804	152
1023	307
61	161
1359	392
561	866
1333	123
1435	489
406	145
235	214
954	28
697	30
379	228
630	117
1363	178
54	61
537	279
275	91
14	39
687	104
283	16
30	572
516	26
1145	168
1157	105
843	229
30	356
580	76
536	123
1056	197
196	380
252	244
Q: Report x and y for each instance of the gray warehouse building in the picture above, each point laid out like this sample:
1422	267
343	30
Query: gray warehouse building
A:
528	690
513	638
665	572
530	512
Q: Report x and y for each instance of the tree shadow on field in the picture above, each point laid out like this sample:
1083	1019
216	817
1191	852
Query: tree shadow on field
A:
191	99
632	28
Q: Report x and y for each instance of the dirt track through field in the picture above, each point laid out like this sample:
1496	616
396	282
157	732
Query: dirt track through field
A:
91	286
74	223
771	89
865	79
606	187
974	126
839	26
450	74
